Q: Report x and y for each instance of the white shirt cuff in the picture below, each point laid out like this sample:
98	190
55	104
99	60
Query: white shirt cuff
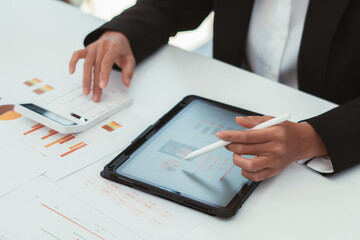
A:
320	164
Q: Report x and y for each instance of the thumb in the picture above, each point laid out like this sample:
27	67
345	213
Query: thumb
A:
252	121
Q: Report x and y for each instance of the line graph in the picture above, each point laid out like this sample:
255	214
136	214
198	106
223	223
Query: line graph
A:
79	225
46	211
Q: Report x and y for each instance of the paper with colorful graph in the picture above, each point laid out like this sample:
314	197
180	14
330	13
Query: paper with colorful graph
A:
61	154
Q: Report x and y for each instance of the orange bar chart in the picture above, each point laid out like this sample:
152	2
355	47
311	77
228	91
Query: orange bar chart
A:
74	148
59	140
111	126
51	133
34	128
32	82
43	89
76	145
67	139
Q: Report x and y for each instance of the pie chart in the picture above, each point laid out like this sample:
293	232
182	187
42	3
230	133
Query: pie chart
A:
170	165
7	113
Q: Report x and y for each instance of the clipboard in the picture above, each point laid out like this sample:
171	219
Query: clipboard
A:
153	162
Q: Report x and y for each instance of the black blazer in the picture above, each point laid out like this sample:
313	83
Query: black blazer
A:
328	64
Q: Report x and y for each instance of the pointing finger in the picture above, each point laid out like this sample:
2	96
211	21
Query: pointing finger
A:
106	66
87	72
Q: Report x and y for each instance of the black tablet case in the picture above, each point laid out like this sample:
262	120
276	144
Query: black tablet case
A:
110	173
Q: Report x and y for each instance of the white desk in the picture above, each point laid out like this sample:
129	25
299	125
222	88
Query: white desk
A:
297	204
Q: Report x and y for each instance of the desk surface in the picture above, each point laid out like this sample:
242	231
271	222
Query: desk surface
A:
297	204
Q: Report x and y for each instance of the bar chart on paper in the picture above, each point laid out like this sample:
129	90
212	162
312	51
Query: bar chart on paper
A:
8	169
50	143
62	154
45	211
32	82
99	142
151	217
112	126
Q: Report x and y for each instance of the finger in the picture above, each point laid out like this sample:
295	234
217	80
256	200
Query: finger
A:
250	149
75	58
258	175
247	136
256	163
87	72
128	65
252	121
97	91
106	66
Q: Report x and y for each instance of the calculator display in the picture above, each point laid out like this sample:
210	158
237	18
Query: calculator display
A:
48	114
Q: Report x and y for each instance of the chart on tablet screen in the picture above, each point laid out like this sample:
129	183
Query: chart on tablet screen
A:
212	167
210	127
176	149
170	165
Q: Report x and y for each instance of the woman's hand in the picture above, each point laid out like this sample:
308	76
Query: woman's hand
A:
100	56
274	147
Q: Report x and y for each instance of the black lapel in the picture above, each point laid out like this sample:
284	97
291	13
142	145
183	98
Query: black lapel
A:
230	29
322	19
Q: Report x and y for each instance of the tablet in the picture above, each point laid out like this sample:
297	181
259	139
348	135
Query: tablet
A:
153	162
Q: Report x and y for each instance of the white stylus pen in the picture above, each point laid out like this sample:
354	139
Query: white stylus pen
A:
221	143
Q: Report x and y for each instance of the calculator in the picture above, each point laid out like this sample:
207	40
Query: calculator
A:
70	111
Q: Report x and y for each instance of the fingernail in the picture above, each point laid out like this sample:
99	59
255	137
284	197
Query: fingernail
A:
220	135
127	82
102	84
86	91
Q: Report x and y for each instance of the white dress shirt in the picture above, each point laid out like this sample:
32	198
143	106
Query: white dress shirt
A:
273	45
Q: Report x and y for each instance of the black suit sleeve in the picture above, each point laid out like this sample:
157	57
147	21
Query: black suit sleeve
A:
340	132
149	24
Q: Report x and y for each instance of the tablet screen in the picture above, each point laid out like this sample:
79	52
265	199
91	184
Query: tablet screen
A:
211	178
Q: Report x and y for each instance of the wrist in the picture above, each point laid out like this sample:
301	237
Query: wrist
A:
313	144
115	35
